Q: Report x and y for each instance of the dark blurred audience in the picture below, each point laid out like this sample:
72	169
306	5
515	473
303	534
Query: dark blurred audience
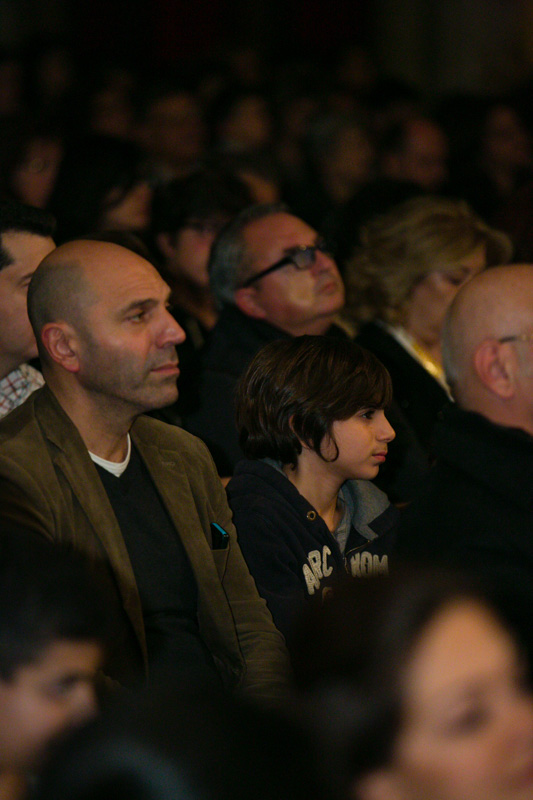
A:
339	158
29	162
170	130
187	214
415	150
352	150
99	186
494	159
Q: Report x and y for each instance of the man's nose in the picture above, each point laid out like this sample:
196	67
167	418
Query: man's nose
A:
323	262
172	332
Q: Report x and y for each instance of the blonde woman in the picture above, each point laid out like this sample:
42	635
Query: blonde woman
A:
400	284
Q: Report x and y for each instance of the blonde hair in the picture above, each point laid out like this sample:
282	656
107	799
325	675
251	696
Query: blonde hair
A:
400	248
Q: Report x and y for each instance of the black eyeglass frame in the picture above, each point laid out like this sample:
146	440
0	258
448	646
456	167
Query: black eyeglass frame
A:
300	251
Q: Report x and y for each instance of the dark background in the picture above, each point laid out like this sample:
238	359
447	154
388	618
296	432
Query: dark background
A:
438	45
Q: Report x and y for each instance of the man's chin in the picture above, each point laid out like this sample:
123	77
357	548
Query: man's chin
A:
164	399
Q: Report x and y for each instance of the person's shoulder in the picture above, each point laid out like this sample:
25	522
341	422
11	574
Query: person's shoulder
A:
256	482
21	423
257	489
166	436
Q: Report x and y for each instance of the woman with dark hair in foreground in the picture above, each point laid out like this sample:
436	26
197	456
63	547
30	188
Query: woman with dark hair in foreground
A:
420	691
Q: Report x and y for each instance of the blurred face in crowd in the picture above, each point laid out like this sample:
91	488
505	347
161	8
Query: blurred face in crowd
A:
128	211
17	342
295	300
506	143
174	130
32	180
467	732
352	158
423	159
187	251
248	126
44	698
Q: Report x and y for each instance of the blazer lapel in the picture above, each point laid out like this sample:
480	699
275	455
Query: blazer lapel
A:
72	458
167	469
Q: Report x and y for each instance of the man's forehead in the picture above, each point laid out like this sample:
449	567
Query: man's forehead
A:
110	274
103	261
125	280
275	234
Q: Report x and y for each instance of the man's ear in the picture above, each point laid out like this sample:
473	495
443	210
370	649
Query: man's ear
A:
495	366
61	344
382	784
246	300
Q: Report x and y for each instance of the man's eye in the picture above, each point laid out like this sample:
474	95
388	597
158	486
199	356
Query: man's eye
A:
138	317
368	414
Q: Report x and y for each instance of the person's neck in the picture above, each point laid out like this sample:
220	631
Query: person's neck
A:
102	425
426	341
506	413
319	487
6	367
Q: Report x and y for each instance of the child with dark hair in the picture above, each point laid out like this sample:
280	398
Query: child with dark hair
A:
52	643
310	414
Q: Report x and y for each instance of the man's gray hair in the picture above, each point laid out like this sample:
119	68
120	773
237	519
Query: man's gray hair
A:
229	263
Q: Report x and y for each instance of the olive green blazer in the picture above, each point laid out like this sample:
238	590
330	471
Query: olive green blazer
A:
48	483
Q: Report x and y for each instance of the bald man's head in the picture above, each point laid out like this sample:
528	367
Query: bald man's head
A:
66	282
58	290
496	303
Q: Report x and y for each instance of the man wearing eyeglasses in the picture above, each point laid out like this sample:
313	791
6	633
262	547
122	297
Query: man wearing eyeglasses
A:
475	510
273	277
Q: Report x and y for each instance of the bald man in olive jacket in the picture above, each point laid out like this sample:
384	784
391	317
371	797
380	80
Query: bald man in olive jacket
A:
71	453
